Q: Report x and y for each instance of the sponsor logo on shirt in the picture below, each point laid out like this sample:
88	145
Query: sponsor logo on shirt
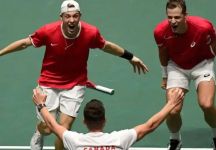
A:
206	75
193	44
53	44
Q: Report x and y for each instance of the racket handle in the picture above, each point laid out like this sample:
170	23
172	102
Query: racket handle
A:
104	89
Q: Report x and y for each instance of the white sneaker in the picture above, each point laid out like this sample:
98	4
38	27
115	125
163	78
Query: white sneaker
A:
36	141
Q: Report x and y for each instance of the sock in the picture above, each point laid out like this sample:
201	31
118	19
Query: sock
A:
37	132
176	136
214	132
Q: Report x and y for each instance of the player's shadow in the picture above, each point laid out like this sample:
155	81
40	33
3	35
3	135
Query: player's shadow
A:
191	138
197	138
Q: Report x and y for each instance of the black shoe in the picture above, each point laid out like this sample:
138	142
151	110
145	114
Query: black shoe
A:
174	144
214	143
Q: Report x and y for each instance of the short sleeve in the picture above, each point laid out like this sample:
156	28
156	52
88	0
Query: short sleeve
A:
68	137
158	38
38	38
99	41
127	138
211	34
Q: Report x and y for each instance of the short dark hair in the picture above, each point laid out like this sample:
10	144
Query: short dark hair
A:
177	3
94	114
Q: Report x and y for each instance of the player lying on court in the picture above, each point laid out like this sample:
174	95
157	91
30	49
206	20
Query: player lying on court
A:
94	119
64	70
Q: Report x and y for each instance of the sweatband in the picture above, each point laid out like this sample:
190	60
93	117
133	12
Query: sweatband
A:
164	71
127	55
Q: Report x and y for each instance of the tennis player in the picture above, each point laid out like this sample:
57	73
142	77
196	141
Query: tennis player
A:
187	47
64	69
94	119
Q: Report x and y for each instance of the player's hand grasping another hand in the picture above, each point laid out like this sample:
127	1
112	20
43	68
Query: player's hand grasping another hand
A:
175	96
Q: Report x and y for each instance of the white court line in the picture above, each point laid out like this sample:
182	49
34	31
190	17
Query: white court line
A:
133	148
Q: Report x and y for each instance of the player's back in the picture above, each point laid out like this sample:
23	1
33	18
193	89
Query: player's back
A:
117	140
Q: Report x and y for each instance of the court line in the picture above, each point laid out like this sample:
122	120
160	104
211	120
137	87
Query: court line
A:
133	148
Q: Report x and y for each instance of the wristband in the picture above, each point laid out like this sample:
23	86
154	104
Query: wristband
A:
127	55
40	106
164	71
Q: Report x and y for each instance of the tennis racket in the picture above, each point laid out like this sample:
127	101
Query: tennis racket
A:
90	84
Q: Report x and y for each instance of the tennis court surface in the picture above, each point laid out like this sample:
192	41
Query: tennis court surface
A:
129	23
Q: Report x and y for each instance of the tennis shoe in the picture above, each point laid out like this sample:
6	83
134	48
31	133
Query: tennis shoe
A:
36	141
214	143
174	144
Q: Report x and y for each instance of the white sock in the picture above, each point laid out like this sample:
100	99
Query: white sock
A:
176	136
214	132
37	132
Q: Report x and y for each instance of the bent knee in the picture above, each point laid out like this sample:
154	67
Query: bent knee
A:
207	106
206	103
175	111
44	129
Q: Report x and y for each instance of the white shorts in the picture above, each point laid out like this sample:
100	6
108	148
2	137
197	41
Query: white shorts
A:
178	77
65	101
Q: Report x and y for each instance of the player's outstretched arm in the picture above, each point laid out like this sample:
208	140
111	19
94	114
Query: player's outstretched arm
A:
16	46
175	97
39	99
115	49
